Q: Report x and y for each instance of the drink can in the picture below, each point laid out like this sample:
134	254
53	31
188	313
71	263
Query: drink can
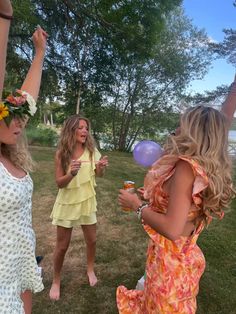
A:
130	187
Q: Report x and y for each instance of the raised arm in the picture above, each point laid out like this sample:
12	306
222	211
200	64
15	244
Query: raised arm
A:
229	105
32	81
5	21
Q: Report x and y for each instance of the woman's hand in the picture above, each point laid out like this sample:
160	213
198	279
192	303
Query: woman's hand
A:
74	167
103	162
6	7
101	165
141	193
233	85
129	200
229	105
40	40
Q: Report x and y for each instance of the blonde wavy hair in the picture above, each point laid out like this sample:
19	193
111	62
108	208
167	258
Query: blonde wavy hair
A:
203	136
67	141
19	154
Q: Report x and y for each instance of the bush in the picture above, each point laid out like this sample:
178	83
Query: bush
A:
42	135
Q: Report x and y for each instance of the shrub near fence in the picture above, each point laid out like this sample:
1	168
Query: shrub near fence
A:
42	136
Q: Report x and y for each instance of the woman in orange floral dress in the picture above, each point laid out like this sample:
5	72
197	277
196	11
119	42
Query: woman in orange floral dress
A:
188	186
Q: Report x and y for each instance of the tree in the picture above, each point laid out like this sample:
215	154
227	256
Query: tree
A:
213	98
227	48
145	94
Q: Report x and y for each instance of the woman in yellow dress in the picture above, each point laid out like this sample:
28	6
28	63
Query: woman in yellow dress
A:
77	162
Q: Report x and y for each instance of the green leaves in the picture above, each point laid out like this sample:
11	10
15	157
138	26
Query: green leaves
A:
228	47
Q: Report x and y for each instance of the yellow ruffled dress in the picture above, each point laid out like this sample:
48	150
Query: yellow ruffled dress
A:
76	203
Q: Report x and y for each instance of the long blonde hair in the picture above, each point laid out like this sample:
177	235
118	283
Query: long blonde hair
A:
203	136
19	154
67	141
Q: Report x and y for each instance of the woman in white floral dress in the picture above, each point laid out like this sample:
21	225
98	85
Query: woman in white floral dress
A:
18	267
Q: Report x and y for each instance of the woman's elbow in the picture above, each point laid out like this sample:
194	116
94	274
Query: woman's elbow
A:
59	184
173	235
174	229
99	173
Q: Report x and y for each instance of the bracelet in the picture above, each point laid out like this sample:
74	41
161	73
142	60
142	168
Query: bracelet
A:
73	174
6	17
139	210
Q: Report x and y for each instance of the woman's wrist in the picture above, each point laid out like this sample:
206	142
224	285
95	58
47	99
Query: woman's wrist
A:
73	173
136	205
139	210
39	55
6	16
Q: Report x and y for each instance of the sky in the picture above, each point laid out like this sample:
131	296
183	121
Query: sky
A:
213	16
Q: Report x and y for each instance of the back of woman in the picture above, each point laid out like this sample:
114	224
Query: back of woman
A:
184	190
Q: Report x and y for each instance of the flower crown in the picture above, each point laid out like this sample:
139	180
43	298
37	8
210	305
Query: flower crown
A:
18	105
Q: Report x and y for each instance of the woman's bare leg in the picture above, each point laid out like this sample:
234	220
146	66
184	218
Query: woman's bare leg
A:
90	239
27	300
62	244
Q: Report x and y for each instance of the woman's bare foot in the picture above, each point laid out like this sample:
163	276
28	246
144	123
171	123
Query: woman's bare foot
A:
92	278
54	293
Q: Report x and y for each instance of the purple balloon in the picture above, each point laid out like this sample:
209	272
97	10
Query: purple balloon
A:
145	153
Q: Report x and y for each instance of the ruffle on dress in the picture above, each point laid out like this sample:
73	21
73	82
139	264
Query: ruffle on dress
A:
78	198
10	300
161	171
74	211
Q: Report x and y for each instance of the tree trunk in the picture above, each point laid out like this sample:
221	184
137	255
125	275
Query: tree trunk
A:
51	118
78	102
45	118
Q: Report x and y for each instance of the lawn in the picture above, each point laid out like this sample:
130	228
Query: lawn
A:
121	246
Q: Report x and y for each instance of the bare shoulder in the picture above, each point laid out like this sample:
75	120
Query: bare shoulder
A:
57	156
184	170
182	179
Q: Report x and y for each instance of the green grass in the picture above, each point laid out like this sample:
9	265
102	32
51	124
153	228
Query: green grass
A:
121	246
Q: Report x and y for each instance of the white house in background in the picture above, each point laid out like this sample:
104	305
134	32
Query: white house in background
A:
232	142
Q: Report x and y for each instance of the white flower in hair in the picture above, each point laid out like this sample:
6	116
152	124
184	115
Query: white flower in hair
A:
31	102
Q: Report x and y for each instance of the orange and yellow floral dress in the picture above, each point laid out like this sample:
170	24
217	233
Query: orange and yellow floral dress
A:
173	268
